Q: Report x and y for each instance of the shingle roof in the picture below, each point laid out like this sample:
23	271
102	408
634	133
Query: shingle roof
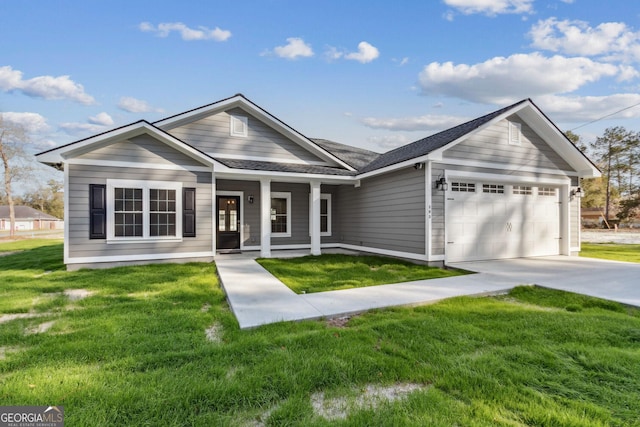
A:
353	156
426	145
284	167
26	212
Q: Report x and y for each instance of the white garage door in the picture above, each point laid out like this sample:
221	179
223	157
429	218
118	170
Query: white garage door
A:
487	220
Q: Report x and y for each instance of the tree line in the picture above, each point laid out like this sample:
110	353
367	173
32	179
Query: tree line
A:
617	154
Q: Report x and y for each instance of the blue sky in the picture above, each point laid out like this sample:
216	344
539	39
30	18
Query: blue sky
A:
374	74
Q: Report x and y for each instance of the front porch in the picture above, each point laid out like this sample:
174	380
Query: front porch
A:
265	215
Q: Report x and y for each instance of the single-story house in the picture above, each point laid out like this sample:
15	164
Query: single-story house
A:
28	218
230	176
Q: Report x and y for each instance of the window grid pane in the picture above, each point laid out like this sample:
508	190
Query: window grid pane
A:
128	212
162	217
279	215
493	188
463	187
546	191
522	189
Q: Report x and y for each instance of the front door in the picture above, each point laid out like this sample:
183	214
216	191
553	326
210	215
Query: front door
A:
228	222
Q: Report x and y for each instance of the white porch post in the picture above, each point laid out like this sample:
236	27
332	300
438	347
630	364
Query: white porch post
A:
265	218
565	220
214	217
315	218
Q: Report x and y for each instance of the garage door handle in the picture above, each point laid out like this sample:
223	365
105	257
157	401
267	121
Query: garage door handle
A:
449	243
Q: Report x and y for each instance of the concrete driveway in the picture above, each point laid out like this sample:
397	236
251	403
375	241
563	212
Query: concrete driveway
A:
612	280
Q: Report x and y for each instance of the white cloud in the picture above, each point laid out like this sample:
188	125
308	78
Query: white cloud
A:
490	7
81	129
102	119
134	105
32	123
47	87
366	53
188	34
389	141
427	122
503	80
578	38
581	109
295	48
332	53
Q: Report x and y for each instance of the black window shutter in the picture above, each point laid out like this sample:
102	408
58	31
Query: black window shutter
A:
97	211
188	212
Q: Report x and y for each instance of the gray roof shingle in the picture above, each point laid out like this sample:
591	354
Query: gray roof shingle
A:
353	156
426	145
284	167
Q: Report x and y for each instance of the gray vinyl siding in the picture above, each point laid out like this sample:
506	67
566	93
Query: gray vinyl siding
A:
141	149
385	212
437	213
80	176
211	135
492	145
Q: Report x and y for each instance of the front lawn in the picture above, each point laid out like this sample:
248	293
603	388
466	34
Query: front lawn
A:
612	251
157	345
331	272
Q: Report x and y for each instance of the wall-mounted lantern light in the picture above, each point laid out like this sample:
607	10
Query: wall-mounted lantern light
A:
441	184
577	193
418	166
250	199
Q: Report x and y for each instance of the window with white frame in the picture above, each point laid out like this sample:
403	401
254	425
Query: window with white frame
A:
463	187
325	214
515	133
546	191
238	125
140	210
493	188
280	214
523	190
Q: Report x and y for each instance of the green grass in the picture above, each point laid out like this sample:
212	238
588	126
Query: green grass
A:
612	251
330	272
135	353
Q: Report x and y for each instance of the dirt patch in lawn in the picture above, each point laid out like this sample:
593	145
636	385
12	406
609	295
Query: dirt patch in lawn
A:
77	294
214	333
369	397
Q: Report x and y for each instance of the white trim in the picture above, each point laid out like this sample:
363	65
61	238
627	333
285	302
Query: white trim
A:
67	218
505	167
265	218
575	249
146	186
266	159
139	257
235	119
282	195
494	177
215	219
297	246
428	189
138	165
327	197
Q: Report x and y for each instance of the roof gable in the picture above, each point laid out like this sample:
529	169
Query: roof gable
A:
240	101
57	156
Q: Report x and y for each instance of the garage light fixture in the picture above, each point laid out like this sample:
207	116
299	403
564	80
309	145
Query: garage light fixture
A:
577	193
441	184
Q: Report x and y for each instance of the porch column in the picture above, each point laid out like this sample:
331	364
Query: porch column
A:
315	218
214	216
265	218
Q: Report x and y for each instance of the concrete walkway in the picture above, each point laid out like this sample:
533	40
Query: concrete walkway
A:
258	298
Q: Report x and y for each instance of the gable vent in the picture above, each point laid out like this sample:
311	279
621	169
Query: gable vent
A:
238	125
515	133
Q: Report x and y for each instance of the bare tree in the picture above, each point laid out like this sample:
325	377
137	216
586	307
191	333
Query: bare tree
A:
14	161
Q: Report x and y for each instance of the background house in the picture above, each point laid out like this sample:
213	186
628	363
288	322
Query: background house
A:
28	218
